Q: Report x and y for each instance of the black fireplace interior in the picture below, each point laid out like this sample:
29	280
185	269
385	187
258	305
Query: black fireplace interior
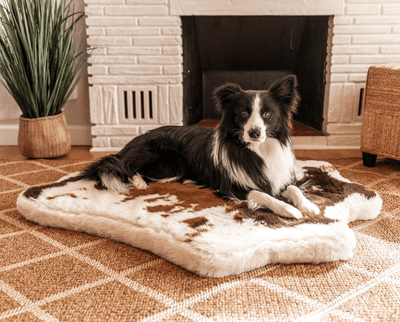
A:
253	51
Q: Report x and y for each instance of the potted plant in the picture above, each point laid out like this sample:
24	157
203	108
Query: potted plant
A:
41	62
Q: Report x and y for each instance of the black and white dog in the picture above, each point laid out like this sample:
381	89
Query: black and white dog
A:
247	157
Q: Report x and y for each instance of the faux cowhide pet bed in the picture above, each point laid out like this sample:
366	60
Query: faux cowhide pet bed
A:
193	228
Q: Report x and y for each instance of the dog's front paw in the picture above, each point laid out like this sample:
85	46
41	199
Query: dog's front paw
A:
307	206
138	182
252	205
290	212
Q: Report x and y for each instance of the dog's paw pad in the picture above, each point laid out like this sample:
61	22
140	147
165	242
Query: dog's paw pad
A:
308	207
138	182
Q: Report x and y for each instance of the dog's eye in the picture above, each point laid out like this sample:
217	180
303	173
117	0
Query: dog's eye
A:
245	114
266	115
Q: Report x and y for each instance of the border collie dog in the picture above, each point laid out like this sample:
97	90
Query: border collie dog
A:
247	157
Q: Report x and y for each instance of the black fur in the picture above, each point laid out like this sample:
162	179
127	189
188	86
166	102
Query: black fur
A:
186	152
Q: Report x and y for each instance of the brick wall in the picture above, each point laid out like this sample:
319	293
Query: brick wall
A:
367	34
139	44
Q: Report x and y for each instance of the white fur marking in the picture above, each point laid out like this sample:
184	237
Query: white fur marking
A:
277	206
279	162
113	184
255	121
294	194
138	182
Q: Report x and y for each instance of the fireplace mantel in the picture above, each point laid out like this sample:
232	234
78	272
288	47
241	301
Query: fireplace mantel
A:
256	7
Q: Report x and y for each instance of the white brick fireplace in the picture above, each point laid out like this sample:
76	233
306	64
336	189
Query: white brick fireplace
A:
136	72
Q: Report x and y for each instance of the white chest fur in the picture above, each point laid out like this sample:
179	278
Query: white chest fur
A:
279	162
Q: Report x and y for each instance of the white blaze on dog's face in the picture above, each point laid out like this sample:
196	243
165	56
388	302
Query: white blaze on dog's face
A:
255	129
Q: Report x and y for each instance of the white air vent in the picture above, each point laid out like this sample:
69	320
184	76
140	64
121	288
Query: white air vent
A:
138	104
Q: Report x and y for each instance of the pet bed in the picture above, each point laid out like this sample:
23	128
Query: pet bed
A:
204	234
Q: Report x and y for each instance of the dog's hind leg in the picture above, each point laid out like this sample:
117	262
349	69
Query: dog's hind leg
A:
138	182
261	199
295	195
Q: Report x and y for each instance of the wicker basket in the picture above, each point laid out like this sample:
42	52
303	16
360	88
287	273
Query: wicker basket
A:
380	133
44	137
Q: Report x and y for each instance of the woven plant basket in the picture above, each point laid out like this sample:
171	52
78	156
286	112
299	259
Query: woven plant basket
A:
44	137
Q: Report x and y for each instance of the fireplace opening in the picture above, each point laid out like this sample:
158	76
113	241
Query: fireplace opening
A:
253	51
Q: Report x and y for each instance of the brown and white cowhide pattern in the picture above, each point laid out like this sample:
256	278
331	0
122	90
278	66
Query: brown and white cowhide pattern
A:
202	233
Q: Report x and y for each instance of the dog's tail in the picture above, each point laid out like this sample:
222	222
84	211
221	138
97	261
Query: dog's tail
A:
110	173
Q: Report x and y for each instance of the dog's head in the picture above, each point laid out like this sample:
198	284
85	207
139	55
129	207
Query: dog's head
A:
255	116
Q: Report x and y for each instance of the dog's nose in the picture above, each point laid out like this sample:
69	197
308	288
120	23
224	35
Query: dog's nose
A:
255	132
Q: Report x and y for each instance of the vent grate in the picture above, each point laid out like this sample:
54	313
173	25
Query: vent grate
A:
137	104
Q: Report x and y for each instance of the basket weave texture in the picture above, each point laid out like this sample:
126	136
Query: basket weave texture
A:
380	133
44	137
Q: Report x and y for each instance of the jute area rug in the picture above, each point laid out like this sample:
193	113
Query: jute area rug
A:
51	274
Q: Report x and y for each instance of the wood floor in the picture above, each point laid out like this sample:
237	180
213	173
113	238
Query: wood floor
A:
83	153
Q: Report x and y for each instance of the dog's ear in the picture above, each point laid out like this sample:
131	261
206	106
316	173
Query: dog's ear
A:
285	91
226	93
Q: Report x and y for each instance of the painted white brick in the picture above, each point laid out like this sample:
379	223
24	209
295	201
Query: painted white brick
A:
396	29
363	9
361	29
349	68
172	70
376	59
103	105
108	41
97	70
160	21
134	51
362	77
136	10
116	142
340	59
145	128
94	10
344	128
101	142
374	20
340	40
171	31
114	60
376	39
163	110
133	31
135	80
348	49
160	60
156	41
176	50
175	97
347	102
111	21
394	49
135	70
338	78
391	9
120	130
335	96
94	31
342	20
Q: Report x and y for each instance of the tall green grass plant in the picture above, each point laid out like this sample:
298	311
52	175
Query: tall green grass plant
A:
41	60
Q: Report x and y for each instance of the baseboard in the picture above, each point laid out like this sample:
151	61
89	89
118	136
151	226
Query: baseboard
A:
80	134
